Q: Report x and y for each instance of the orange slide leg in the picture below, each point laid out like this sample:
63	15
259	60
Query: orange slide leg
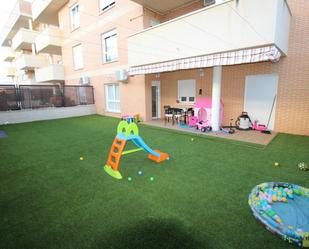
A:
163	156
113	160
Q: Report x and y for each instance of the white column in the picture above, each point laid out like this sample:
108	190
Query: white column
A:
30	24
50	59
216	96
31	29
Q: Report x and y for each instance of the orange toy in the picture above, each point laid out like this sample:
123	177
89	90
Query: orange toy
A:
127	132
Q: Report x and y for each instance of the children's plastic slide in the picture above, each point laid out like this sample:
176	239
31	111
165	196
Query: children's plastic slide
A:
129	132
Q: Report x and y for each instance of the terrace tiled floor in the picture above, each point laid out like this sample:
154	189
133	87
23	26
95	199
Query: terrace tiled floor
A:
244	136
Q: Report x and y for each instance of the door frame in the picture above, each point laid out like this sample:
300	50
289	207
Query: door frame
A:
156	83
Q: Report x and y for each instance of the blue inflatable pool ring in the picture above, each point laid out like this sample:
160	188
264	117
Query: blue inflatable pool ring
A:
284	209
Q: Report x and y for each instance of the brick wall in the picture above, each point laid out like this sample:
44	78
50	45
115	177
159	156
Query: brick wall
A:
292	113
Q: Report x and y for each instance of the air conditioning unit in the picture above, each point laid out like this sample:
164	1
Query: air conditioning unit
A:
84	80
209	2
122	75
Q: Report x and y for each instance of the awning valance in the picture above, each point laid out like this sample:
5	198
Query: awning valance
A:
269	53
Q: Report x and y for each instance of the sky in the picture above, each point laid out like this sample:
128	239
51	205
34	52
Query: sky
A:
6	8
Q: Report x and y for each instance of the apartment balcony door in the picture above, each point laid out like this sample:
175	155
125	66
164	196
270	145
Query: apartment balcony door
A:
260	98
155	99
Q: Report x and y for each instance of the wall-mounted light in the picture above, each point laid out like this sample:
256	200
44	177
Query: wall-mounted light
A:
157	75
200	92
201	72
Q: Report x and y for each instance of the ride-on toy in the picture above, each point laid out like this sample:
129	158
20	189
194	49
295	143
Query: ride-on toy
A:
228	129
258	127
203	126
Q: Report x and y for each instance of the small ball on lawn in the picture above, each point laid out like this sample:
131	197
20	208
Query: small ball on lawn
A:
129	179
81	158
152	178
303	166
140	173
192	139
277	164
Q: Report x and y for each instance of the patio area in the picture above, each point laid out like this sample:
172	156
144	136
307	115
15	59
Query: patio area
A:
255	137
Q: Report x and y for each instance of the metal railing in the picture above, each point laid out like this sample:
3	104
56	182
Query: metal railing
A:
42	96
8	98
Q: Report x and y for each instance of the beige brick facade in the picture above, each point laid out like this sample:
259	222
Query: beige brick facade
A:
292	114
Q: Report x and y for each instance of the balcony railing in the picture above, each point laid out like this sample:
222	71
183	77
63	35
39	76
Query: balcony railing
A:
10	71
46	11
8	98
51	73
24	39
8	54
49	41
19	18
228	26
44	96
30	62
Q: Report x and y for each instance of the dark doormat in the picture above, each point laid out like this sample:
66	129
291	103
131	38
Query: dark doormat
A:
3	134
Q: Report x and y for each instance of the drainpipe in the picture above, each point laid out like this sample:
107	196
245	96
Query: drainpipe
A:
216	96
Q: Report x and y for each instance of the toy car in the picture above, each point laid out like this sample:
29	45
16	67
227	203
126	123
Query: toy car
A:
203	126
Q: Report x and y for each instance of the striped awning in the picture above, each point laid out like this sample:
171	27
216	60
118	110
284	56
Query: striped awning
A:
269	53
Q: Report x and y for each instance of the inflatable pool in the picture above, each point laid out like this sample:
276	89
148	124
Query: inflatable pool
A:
284	209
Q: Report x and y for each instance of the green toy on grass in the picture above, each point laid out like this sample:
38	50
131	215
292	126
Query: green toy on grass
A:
303	166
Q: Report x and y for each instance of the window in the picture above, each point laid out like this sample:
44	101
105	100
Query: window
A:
74	16
186	91
109	45
153	22
106	4
112	98
78	57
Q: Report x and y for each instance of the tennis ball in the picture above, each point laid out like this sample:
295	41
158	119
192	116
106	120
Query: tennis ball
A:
152	178
192	139
140	173
303	166
129	179
81	158
277	164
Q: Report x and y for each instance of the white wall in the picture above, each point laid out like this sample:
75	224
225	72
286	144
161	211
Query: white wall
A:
30	61
24	116
50	73
283	24
24	36
232	25
50	38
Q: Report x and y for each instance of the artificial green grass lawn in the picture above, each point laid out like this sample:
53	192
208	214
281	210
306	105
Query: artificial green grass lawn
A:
198	200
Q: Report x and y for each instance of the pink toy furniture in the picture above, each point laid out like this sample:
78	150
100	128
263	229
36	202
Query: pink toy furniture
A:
193	120
202	112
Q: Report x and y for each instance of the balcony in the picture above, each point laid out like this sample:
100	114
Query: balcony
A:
30	62
8	54
163	6
10	71
19	18
228	26
51	73
46	11
24	39
49	41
